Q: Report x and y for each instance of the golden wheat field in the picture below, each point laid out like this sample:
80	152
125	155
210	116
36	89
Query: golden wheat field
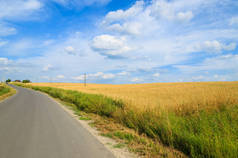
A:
176	96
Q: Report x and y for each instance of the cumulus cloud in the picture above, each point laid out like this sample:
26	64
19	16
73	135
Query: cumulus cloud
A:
79	78
156	74
215	47
96	76
136	79
108	76
223	63
47	67
4	61
60	77
198	78
102	75
8	66
45	77
149	28
175	10
219	68
185	16
110	46
234	20
20	47
16	10
6	29
133	21
133	28
123	73
159	15
119	15
70	50
19	9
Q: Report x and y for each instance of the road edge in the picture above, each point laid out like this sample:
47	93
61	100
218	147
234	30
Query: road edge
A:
108	143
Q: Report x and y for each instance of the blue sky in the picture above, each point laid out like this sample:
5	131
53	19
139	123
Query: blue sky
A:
119	41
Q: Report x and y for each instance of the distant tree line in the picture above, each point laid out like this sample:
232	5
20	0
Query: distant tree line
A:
26	81
23	81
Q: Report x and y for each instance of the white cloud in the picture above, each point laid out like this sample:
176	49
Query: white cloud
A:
185	16
102	75
230	47
136	79
98	75
198	78
60	77
215	47
119	15
70	50
79	78
216	76
154	17
18	9
133	28
45	77
20	47
221	63
173	10
2	43
108	76
6	30
133	21
110	46
150	28
156	75
5	69
47	67
4	61
123	73
234	21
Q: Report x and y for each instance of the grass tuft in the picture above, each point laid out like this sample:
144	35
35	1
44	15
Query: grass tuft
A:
6	91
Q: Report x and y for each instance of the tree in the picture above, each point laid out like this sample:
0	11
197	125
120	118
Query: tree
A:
8	80
26	81
17	81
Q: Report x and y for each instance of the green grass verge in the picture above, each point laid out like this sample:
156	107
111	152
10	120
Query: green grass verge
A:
4	89
206	134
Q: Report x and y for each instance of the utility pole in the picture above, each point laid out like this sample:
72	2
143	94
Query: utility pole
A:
85	80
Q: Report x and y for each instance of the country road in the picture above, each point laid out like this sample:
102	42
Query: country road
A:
34	126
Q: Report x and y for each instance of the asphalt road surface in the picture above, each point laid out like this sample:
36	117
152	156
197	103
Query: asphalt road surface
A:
34	126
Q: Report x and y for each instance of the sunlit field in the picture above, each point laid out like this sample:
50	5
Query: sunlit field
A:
180	97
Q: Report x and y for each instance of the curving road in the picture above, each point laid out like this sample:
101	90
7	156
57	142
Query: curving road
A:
34	126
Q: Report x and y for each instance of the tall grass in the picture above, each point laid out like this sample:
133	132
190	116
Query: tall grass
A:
91	103
203	132
4	89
